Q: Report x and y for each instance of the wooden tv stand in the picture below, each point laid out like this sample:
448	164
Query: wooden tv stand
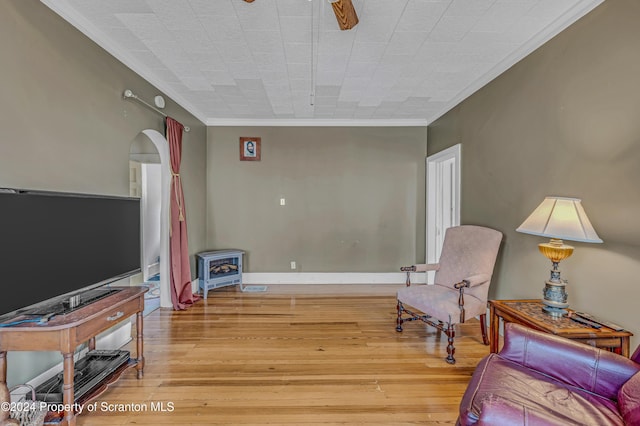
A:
65	332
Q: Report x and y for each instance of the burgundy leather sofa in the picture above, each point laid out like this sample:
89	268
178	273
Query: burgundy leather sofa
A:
541	379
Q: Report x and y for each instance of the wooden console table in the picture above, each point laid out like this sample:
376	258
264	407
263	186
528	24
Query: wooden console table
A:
529	313
65	332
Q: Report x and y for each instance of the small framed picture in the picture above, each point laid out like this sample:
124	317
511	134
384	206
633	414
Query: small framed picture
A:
249	149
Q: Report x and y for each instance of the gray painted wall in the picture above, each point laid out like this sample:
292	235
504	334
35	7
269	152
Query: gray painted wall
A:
354	197
563	121
65	126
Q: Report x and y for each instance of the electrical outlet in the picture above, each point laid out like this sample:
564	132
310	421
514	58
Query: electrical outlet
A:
283	201
293	264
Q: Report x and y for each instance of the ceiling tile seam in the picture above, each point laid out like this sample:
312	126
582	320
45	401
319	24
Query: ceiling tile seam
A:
444	12
212	43
353	42
434	27
253	58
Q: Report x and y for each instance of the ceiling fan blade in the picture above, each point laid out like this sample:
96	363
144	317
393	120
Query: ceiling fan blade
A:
345	14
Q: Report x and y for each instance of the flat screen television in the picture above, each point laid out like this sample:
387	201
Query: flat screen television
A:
54	245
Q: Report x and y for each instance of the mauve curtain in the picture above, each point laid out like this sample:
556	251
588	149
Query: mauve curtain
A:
180	271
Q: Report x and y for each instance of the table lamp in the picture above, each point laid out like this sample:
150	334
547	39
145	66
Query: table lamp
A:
558	218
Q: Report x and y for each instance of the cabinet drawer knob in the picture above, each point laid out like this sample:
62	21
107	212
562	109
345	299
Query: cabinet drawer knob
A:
115	316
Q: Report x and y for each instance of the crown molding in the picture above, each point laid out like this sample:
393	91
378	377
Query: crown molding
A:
247	122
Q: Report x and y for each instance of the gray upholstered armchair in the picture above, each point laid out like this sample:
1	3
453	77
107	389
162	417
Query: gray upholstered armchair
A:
462	278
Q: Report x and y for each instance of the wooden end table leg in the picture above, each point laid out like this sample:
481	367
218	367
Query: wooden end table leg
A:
495	330
139	345
624	346
92	344
67	389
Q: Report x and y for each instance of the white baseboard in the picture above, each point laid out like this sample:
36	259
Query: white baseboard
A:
329	277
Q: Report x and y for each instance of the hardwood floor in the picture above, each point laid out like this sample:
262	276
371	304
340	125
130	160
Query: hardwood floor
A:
295	355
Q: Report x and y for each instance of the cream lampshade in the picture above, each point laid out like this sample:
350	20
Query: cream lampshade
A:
558	218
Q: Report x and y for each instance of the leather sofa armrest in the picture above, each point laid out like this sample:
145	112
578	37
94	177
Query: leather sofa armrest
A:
503	412
576	364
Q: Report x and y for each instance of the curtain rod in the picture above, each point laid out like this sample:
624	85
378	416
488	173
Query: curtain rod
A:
128	94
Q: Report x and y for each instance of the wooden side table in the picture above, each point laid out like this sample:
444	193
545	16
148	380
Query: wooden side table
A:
529	313
65	332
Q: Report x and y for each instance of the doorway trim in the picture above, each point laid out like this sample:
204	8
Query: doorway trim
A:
162	146
438	188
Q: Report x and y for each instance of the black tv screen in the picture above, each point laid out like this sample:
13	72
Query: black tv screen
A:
52	244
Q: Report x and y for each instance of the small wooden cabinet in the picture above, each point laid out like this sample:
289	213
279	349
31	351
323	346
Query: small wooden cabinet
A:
219	268
65	332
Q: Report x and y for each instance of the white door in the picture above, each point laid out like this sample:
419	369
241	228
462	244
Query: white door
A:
443	199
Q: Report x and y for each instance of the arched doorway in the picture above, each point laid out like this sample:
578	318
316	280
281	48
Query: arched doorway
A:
151	147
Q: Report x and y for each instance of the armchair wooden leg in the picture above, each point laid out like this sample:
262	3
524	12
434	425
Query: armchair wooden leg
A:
483	328
451	333
399	319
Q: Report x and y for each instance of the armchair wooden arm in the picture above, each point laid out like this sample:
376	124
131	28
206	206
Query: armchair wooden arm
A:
471	281
421	267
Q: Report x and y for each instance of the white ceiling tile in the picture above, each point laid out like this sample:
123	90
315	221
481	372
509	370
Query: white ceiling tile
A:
452	28
295	29
243	70
197	83
149	59
332	62
174	14
260	15
361	69
274	78
367	52
422	15
100	7
234	52
270	62
406	43
297	53
145	26
329	78
502	15
330	101
550	9
294	7
350	95
208	7
233	59
222	29
164	74
217	78
300	84
209	61
299	70
355	84
378	29
193	41
468	7
264	42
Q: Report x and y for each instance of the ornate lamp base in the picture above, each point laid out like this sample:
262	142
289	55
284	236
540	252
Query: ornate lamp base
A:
555	299
555	295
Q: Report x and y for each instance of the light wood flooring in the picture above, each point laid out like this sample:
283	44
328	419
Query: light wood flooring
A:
295	355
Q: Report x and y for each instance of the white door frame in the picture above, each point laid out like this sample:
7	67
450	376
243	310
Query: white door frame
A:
162	146
435	191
